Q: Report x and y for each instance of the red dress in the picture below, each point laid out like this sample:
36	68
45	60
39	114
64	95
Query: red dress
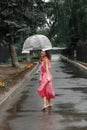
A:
45	86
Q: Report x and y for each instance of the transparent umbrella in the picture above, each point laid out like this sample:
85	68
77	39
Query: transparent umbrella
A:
36	42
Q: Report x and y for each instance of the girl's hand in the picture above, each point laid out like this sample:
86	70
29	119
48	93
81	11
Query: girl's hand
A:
48	78
40	60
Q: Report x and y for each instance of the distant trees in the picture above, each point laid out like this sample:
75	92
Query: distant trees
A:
67	21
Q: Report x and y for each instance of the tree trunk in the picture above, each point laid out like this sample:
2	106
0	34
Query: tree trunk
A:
28	57
13	53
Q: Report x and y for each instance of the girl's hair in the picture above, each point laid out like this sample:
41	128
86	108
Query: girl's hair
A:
48	54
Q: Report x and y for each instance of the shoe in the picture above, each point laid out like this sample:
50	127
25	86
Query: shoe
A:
44	108
50	105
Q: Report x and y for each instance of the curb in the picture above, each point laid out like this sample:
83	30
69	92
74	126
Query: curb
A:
10	97
80	66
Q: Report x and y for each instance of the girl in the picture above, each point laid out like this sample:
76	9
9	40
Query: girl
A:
45	89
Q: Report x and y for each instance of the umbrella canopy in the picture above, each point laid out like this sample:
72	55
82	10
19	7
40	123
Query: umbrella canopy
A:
36	42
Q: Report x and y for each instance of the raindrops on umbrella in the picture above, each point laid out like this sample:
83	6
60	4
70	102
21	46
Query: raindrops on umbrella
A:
36	42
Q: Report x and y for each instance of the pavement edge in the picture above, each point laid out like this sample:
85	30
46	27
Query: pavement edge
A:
10	97
80	66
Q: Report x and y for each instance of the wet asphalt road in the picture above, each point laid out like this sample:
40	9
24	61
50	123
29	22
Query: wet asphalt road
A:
69	111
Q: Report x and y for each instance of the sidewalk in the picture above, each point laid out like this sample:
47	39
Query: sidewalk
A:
78	64
9	98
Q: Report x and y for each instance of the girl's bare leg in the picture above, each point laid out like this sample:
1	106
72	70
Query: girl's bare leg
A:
49	103
44	102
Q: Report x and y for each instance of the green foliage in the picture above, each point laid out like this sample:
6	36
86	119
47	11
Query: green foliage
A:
20	18
21	58
37	56
67	21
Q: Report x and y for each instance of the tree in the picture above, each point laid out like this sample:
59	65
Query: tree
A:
67	21
18	19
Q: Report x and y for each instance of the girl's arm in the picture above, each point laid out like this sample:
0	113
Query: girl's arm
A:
47	70
40	60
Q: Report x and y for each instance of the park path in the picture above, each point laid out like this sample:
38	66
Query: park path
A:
69	111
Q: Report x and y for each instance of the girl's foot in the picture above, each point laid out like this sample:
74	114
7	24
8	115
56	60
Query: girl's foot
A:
49	105
44	108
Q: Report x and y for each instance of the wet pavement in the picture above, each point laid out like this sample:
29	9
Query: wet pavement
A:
69	111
